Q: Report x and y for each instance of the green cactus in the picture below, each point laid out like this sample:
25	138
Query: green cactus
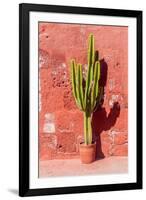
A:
89	96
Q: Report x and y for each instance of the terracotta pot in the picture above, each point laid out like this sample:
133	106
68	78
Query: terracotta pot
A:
87	153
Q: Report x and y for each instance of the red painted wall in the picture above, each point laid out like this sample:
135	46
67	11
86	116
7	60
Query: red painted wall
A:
60	121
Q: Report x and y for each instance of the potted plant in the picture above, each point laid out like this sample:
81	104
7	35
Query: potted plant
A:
87	94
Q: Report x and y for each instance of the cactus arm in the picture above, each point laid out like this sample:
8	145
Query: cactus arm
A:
87	87
95	88
74	83
73	78
91	51
98	71
97	76
91	59
79	86
91	77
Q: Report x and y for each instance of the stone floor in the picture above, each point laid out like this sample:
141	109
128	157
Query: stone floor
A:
74	167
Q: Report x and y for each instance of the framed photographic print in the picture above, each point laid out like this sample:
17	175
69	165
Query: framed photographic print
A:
80	99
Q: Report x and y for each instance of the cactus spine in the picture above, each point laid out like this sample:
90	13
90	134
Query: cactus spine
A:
88	96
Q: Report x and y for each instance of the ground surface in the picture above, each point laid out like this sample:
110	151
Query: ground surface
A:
72	167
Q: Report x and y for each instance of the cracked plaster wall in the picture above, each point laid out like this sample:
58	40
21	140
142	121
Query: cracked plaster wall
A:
60	121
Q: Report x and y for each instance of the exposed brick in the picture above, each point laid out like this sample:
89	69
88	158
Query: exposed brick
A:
120	150
120	138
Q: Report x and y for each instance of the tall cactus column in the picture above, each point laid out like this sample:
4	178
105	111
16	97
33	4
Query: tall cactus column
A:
87	129
88	96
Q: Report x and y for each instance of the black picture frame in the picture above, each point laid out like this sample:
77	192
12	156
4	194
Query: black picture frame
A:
24	9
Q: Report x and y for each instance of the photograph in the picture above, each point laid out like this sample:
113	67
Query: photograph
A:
83	99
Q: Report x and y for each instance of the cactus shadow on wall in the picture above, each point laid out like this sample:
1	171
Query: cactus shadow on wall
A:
101	120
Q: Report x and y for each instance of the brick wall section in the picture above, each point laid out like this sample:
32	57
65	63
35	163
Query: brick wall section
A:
60	121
